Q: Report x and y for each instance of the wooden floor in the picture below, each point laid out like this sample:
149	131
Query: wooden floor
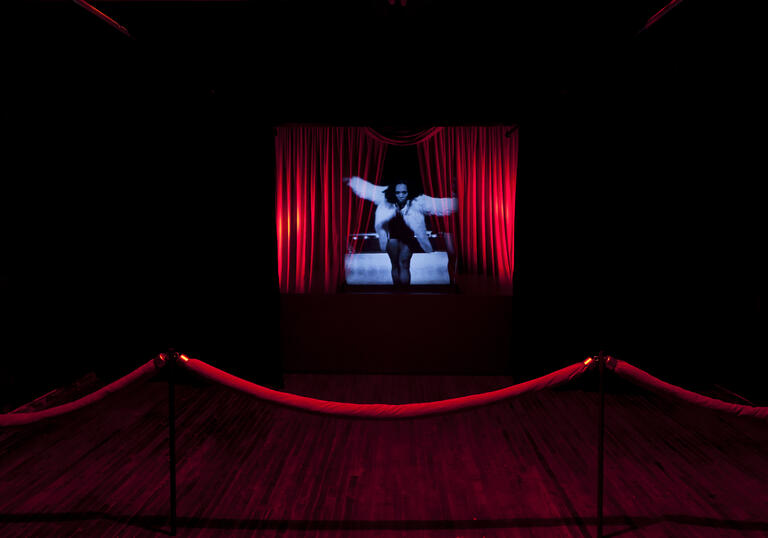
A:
524	467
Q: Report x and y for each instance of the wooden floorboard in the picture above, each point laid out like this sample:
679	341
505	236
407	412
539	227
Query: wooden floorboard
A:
523	467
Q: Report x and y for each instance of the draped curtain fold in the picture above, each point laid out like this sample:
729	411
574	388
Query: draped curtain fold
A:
402	137
316	213
438	174
482	164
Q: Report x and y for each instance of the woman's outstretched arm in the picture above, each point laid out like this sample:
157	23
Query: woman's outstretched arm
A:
437	206
366	190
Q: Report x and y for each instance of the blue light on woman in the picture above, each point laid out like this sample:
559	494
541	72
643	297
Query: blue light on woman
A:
399	221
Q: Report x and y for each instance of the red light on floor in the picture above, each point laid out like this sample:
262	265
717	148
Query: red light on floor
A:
588	361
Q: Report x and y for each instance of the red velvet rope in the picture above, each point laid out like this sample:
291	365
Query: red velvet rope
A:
109	20
390	411
18	419
639	377
384	411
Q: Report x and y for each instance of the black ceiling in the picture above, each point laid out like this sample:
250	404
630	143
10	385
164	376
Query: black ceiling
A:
354	60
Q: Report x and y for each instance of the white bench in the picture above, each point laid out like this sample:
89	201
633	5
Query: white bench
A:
374	268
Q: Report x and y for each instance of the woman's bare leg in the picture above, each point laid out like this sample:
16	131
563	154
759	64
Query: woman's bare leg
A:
404	262
393	249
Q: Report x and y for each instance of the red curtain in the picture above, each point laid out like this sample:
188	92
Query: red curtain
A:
482	161
403	137
315	212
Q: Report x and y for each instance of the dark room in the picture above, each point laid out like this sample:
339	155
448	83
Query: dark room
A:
378	268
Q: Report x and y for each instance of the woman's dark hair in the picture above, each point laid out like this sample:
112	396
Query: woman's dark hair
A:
413	190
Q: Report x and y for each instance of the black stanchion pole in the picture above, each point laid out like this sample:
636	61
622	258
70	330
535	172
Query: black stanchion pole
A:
170	370
600	443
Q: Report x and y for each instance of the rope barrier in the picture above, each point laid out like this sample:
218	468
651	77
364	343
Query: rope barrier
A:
384	411
642	378
387	411
19	419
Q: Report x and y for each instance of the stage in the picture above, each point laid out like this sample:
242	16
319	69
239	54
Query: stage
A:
384	332
520	467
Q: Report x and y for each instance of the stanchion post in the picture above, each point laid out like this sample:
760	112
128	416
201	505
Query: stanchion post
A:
173	357
600	444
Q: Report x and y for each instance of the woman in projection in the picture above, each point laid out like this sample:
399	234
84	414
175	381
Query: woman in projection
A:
399	221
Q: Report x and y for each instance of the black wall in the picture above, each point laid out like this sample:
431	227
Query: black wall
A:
142	206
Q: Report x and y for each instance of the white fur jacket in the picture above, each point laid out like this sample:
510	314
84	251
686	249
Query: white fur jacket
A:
413	212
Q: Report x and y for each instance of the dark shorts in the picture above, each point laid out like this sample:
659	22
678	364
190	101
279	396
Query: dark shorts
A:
399	230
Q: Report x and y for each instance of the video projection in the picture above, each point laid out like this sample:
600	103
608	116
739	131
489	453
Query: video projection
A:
363	208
